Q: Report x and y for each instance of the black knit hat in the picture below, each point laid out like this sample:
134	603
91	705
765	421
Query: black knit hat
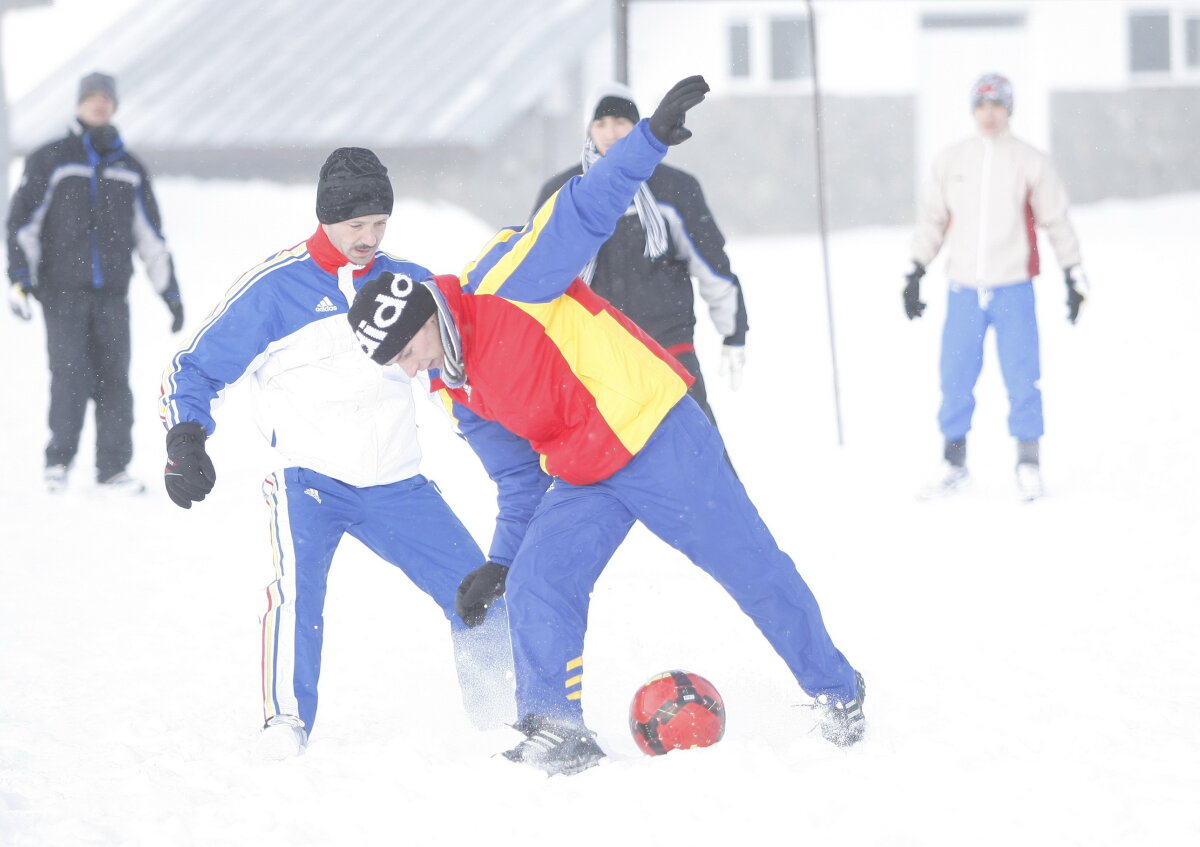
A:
618	107
353	183
387	312
97	83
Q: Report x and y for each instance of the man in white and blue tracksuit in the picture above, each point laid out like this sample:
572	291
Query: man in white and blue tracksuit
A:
346	435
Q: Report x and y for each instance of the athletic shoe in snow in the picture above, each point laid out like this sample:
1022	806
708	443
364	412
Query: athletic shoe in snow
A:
282	738
555	746
842	723
123	484
950	479
1029	481
55	477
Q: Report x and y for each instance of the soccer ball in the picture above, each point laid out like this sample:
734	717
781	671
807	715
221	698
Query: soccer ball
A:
676	710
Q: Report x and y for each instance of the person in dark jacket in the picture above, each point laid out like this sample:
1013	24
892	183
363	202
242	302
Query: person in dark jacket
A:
665	238
82	208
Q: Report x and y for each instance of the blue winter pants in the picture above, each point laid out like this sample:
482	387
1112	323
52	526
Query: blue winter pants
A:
406	523
684	491
1010	310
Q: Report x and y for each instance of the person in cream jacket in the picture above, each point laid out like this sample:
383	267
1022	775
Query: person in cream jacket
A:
985	200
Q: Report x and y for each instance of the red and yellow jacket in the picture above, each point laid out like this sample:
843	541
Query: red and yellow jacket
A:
545	356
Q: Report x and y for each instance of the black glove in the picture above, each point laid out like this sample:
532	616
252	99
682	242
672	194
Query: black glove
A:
667	121
176	307
913	307
479	590
1077	290
189	473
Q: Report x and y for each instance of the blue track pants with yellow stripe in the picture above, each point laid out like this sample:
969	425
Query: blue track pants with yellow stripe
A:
406	523
683	490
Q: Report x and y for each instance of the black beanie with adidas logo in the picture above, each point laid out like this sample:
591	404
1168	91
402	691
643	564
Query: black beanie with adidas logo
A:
387	312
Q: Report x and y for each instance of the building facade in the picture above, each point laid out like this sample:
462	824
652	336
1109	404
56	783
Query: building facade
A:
476	102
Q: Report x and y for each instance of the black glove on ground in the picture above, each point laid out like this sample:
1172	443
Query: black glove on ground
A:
176	307
667	121
189	473
913	307
478	591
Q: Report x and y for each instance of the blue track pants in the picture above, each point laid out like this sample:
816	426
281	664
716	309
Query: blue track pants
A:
406	523
682	488
1010	310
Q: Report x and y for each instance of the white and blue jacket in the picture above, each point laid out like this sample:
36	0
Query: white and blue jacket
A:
318	400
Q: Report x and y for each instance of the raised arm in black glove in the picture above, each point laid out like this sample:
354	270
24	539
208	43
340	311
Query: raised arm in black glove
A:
189	473
913	307
667	121
478	591
1077	291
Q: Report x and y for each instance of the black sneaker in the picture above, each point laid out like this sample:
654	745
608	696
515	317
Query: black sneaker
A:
555	746
843	724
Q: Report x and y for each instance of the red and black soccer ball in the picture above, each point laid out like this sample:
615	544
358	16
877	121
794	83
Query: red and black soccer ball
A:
676	710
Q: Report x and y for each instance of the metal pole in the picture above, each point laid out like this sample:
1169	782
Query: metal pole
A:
822	216
5	148
621	40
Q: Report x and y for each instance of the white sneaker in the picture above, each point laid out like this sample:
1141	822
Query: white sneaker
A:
283	738
1029	481
950	479
55	477
123	484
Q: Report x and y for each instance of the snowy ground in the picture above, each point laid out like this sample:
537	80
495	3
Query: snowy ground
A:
1032	669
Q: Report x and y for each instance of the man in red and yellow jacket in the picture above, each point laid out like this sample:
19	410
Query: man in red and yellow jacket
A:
585	424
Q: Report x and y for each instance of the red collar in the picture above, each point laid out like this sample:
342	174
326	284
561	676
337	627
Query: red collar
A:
329	257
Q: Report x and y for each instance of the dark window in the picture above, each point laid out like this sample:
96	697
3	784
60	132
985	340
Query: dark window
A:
1150	41
739	50
983	20
789	49
1192	43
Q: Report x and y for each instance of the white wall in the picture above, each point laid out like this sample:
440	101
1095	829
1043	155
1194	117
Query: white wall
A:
873	46
864	46
1082	45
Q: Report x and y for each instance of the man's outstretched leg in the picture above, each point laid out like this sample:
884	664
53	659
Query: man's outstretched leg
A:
682	489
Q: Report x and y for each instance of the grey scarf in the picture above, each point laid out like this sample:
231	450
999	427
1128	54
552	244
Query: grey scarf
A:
647	211
453	372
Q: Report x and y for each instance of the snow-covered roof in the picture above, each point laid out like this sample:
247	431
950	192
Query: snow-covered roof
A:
218	74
